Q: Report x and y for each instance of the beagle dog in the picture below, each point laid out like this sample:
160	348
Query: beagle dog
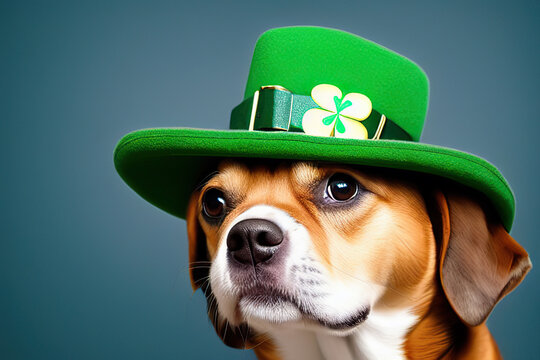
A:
311	261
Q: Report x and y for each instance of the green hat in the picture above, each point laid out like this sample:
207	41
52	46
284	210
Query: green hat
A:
312	94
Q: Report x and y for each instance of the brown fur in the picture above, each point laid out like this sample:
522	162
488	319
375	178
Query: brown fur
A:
440	238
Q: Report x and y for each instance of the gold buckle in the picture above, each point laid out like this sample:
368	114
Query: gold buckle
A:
256	103
253	110
379	128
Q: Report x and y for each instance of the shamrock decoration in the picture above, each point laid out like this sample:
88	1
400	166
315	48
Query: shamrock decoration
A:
338	115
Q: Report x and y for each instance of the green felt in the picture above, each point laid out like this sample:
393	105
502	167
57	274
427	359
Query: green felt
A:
300	58
165	165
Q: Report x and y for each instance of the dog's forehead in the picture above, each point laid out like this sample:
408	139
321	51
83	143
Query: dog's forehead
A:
232	173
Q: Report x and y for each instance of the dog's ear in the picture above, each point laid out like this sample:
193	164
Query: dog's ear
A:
239	337
199	262
479	261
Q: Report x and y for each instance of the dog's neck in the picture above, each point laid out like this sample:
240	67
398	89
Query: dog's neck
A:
436	334
380	337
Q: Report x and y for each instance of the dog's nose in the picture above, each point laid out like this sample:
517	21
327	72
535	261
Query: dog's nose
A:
254	241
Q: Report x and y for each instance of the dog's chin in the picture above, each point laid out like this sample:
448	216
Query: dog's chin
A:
273	309
280	311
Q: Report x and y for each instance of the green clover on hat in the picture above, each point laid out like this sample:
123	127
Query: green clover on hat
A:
338	115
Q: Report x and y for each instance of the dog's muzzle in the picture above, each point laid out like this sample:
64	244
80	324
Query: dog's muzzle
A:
254	241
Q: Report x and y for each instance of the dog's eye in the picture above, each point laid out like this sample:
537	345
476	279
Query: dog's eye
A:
213	203
342	187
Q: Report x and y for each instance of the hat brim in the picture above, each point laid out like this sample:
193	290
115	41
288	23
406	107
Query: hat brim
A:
165	165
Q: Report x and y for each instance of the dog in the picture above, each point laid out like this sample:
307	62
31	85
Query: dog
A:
306	260
319	260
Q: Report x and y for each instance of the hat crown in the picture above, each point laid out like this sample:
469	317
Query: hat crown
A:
165	165
300	58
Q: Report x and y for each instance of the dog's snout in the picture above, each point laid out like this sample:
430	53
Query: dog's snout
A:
254	241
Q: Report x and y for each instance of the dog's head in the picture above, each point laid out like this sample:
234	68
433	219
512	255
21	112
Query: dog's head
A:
296	244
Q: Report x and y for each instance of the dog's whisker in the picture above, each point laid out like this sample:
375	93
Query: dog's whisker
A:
204	280
225	331
265	339
200	262
199	267
216	313
244	337
205	285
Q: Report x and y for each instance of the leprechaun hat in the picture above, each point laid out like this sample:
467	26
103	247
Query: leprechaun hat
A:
312	94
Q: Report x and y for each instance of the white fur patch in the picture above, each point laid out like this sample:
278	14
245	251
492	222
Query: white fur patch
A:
383	334
319	298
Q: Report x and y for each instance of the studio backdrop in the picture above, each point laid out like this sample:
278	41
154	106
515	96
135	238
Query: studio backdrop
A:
89	270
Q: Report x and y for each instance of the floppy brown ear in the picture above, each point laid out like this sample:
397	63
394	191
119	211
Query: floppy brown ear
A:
479	261
199	269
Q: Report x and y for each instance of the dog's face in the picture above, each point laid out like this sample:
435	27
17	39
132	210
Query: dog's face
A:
302	245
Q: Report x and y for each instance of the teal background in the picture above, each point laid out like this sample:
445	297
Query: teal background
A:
88	270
